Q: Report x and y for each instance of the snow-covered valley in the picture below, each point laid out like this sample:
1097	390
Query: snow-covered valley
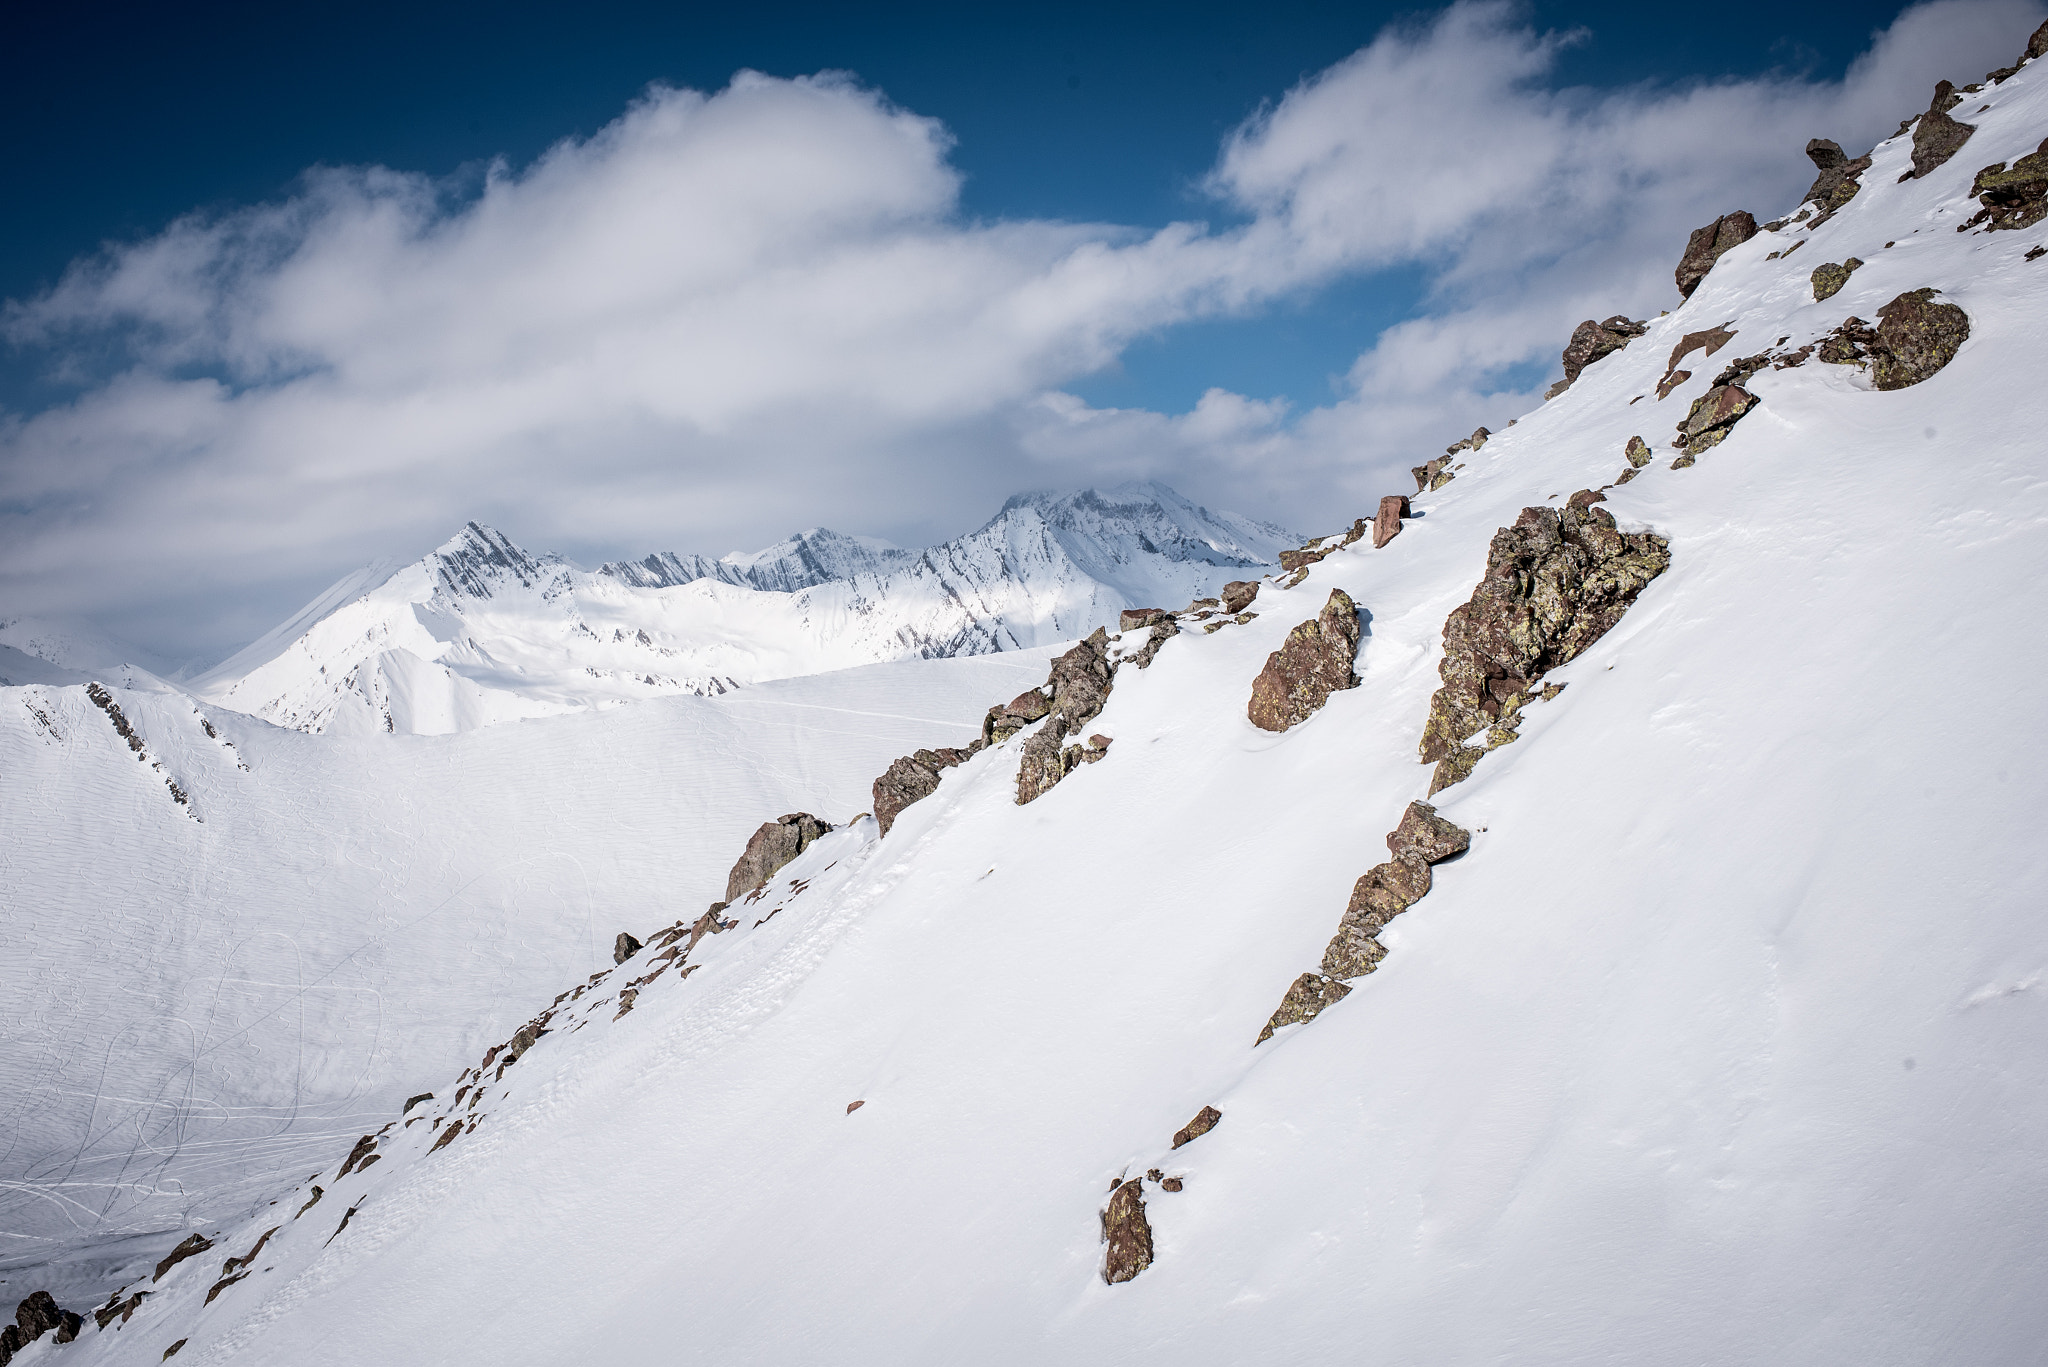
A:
1725	1040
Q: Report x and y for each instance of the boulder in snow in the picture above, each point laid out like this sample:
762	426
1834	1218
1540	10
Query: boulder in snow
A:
1424	835
2013	196
1238	594
1386	524
1711	416
1707	244
1131	619
1127	1232
1937	137
624	948
769	848
1838	180
1638	452
1592	340
1314	662
1204	1121
1309	996
1829	277
1915	338
192	1245
912	779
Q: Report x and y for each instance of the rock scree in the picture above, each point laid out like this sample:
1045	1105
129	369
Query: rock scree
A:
1314	662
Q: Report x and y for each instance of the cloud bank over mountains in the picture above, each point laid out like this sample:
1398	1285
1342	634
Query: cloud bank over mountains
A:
728	314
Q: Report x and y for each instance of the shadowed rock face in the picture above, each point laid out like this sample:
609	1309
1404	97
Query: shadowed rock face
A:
1591	341
1937	137
2037	46
1127	1232
624	948
1079	685
1314	662
1707	244
1915	338
1555	582
1829	277
193	1244
2013	196
1309	997
769	848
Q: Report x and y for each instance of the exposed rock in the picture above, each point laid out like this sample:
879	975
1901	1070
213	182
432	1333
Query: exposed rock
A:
1829	277
1937	137
1080	683
363	1148
1310	995
1380	894
1707	244
2013	196
1638	452
1479	437
413	1101
1711	416
522	1040
1238	594
1162	632
1434	475
318	1193
1590	341
2037	46
194	1244
1671	382
1204	1121
448	1135
1424	835
1457	766
1291	561
1839	178
913	778
853	1106
1314	662
172	1351
1739	370
114	1309
1849	343
1170	1184
1130	619
37	1315
1128	1234
1040	766
1713	339
1007	719
69	1322
624	948
1386	524
1915	338
769	848
1555	582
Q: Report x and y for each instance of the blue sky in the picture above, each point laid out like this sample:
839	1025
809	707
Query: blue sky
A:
948	278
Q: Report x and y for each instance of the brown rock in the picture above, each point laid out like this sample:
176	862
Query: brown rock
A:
1386	524
364	1146
769	848
1128	1234
1555	582
1007	719
1204	1121
1424	835
1638	452
1238	595
853	1106
1849	343
69	1322
1713	339
413	1101
1080	684
913	778
1381	893
1916	337
1161	633
1591	341
1937	137
1839	178
1480	436
1130	619
1671	382
172	1351
2037	46
1170	1184
1291	561
121	1310
37	1315
1829	277
1309	996
1707	245
193	1244
1711	416
624	948
1314	662
2013	196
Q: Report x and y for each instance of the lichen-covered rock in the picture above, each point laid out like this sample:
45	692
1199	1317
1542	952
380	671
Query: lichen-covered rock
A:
1707	245
1381	893
1838	180
1005	720
1424	835
1432	474
1849	343
1039	764
1310	995
1128	1234
1711	416
1238	594
769	848
1131	619
2013	196
1162	632
1314	662
1079	684
1829	277
624	948
1937	137
1638	452
912	778
1592	340
1204	1121
1386	524
1555	582
1915	338
37	1315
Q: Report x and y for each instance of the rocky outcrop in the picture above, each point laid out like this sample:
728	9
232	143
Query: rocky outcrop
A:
1005	720
1079	687
1386	890
1712	339
1386	524
1435	474
1238	595
1555	583
624	948
1638	452
1707	245
1479	436
769	848
1204	1121
1590	341
2013	196
1937	137
1162	632
913	778
1712	414
1314	662
1838	180
1309	996
363	1148
1131	619
1424	835
1829	277
1127	1232
1916	337
193	1245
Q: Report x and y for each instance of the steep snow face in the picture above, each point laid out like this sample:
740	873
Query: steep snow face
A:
229	942
482	631
1727	1041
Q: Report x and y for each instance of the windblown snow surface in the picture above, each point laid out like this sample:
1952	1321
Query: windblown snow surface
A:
1726	1042
482	631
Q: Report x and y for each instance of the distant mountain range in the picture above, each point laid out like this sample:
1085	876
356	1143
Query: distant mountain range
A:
482	631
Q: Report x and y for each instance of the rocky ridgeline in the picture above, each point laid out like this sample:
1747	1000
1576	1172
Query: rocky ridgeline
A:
37	1315
1312	663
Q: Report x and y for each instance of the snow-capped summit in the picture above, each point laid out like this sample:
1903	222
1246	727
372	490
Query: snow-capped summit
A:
481	630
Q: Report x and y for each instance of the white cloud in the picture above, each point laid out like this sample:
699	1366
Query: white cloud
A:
725	315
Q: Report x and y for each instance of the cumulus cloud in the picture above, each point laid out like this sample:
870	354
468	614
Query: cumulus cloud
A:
726	314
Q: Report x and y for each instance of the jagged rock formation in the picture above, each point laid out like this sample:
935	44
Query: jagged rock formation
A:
1592	340
1637	452
1132	619
1127	1232
1162	632
2013	197
915	777
1937	137
1308	997
769	848
1386	890
1386	524
1711	416
1916	337
1005	720
191	1246
1079	684
1314	662
37	1315
1204	1121
1435	474
1480	435
624	948
1708	243
1555	582
1829	277
1838	180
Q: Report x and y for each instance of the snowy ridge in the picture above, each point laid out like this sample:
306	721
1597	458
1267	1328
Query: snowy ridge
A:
1723	1043
482	631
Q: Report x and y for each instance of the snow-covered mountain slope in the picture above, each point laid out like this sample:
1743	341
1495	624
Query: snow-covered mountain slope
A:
228	943
1727	1040
482	631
